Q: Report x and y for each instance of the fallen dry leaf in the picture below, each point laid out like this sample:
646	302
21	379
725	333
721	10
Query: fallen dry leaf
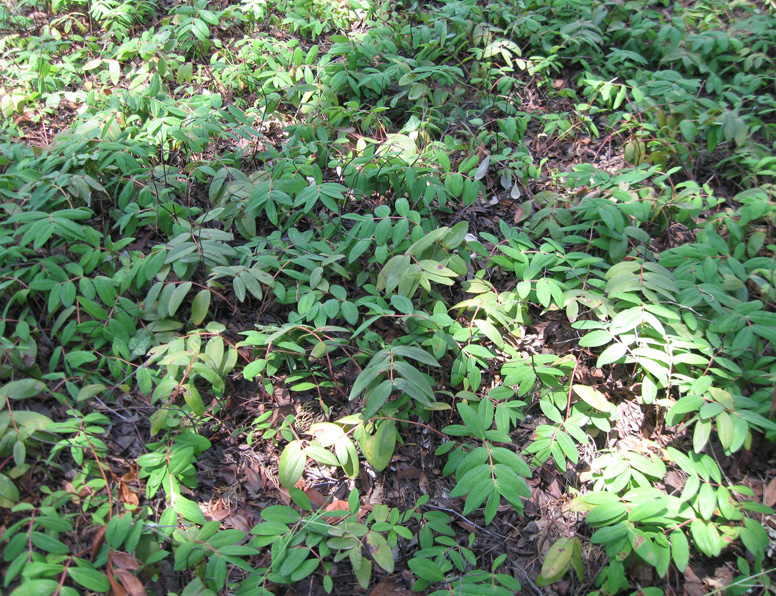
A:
423	484
240	521
282	495
116	587
253	480
769	496
674	480
123	560
316	498
693	586
127	495
99	538
132	584
219	512
387	587
408	473
336	505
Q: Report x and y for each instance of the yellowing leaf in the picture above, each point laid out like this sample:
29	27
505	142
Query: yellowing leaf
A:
592	397
326	433
380	550
557	561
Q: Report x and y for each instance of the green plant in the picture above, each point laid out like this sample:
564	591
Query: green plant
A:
317	242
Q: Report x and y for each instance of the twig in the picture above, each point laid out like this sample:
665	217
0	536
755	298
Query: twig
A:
468	521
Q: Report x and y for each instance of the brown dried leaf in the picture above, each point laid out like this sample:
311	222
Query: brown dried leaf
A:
127	495
387	587
769	496
124	561
283	496
219	512
132	584
423	484
316	498
675	480
116	587
239	521
253	480
99	538
130	476
336	505
773	403
408	473
693	586
384	588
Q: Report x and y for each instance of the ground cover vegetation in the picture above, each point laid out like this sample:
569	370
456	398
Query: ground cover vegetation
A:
380	297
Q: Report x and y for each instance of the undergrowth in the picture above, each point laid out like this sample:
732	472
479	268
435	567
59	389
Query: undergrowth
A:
203	197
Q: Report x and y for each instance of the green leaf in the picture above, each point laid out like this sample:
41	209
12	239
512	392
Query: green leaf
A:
490	332
291	464
377	397
402	304
701	435
426	569
48	543
595	338
347	456
91	579
349	312
326	433
293	560
19	453
606	514
304	570
22	389
644	512
200	306
177	297
611	354
707	501
193	399
9	494
36	587
754	537
726	430
471	420
373	372
689	130
280	514
383	445
321	455
680	550
415	354
270	528
705	537
187	508
610	534
543	293
362	571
